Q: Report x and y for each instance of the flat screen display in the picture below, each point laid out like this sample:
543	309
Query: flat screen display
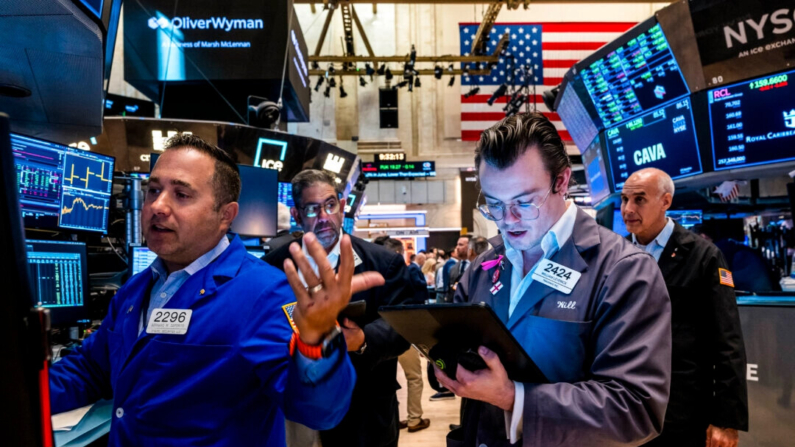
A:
595	171
61	186
576	118
753	123
258	198
409	169
635	77
142	258
60	278
664	139
685	218
286	197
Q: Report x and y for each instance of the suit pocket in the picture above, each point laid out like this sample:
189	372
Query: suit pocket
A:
558	347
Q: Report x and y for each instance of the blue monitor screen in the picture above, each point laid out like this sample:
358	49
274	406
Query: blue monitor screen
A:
142	258
286	197
618	224
60	278
664	139
595	171
636	77
258	209
685	218
61	186
753	123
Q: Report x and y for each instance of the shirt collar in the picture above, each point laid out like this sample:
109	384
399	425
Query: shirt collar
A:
159	267
557	235
662	238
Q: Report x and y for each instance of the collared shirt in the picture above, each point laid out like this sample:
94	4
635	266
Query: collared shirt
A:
550	244
656	247
558	235
333	258
167	285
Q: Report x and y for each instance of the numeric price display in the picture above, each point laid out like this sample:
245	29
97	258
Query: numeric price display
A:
753	123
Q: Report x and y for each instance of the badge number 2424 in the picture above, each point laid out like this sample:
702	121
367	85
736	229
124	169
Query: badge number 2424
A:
557	276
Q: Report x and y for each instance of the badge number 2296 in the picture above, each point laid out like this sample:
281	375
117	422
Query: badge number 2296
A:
169	321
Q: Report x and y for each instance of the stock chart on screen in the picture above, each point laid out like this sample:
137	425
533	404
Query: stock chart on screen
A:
62	187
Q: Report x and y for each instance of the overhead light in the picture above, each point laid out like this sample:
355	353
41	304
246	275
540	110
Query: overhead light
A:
315	66
368	70
412	56
411	85
332	82
389	75
331	69
402	84
452	81
437	72
472	92
342	92
417	81
319	83
327	92
498	93
450	67
381	70
362	82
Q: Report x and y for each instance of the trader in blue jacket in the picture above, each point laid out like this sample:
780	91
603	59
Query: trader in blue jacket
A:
210	346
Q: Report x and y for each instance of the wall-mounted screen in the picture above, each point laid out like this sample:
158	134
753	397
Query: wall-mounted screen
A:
286	197
634	74
664	139
753	123
61	186
576	118
593	159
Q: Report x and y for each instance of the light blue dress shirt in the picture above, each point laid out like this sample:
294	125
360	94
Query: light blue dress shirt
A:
166	285
550	244
656	247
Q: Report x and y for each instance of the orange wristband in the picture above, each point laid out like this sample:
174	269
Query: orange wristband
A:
308	351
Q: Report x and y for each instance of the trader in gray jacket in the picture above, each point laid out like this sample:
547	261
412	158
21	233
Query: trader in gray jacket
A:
591	310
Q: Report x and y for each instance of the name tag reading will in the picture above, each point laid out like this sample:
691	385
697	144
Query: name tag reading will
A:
552	274
169	321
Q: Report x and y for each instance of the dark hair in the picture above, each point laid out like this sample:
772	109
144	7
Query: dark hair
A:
479	244
412	258
380	240
394	245
503	143
226	178
468	236
307	178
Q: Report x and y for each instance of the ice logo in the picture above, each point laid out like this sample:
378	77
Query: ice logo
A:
789	119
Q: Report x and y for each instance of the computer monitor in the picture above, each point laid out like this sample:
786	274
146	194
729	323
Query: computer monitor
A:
61	187
286	197
686	218
142	258
258	198
618	224
593	159
59	275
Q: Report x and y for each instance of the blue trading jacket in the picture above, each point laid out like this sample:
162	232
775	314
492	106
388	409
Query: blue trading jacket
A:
230	381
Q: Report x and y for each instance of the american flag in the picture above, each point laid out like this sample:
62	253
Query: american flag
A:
726	277
550	49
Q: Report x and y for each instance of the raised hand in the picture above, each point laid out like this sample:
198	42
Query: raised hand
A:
320	302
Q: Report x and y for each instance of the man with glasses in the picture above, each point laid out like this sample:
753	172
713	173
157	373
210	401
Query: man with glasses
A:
590	309
374	347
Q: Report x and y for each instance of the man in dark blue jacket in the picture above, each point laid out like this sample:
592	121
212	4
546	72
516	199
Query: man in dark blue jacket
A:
209	346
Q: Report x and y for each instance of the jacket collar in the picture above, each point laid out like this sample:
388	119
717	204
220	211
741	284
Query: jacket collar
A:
677	250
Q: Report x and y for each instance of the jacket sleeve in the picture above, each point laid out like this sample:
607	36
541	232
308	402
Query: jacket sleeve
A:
383	343
730	402
83	377
420	286
623	401
318	399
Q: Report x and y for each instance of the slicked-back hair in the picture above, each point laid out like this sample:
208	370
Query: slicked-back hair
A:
226	178
479	244
307	178
503	143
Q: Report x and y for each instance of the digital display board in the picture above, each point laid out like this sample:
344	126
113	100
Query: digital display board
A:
753	123
576	118
62	187
399	170
635	77
686	218
286	197
390	156
664	139
595	171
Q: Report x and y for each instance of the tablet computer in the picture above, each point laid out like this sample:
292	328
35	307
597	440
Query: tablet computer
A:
437	329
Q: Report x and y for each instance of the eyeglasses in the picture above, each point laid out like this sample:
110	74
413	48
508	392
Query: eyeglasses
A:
332	206
520	210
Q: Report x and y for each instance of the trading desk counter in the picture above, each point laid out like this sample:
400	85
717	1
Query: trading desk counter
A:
768	324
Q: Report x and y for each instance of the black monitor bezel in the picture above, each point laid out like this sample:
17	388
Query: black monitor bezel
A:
69	316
